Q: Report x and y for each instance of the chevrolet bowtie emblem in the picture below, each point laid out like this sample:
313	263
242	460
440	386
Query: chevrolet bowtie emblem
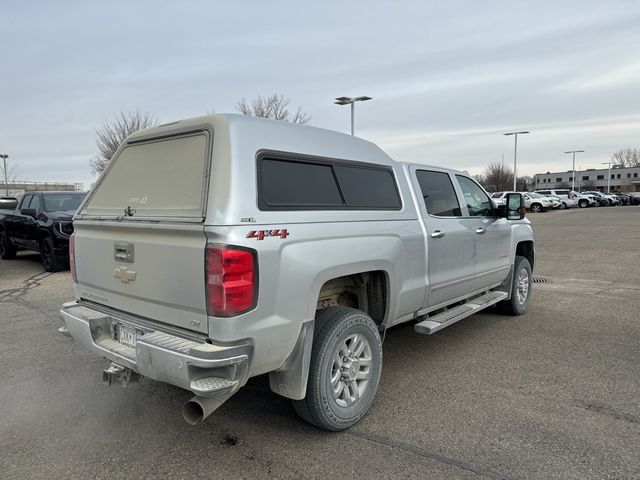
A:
125	275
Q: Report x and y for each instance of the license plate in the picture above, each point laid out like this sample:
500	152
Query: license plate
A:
127	336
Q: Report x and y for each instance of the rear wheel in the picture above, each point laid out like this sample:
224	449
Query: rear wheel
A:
520	288
345	368
7	249
48	256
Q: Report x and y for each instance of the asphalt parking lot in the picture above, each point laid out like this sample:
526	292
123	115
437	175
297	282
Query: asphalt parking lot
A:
551	394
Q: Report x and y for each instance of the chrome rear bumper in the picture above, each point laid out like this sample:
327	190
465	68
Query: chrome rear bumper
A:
203	368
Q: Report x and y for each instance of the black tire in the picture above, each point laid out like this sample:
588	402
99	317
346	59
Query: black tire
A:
520	299
48	257
7	249
583	203
564	206
335	369
536	207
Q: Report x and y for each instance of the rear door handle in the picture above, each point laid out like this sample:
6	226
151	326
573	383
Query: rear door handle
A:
481	231
437	234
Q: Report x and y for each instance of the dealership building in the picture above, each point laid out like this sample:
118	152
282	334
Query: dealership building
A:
619	179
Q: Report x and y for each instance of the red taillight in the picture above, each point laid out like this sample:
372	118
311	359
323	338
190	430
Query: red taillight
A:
231	280
72	257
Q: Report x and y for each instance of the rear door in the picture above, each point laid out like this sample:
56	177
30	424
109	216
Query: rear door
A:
139	236
492	234
450	245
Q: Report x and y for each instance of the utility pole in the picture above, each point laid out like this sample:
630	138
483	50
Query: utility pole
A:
4	157
573	182
608	176
515	156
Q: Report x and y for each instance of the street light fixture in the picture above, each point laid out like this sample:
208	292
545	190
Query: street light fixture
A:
351	101
4	157
515	155
573	179
608	176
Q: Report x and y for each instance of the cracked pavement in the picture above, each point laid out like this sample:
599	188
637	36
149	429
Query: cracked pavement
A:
551	394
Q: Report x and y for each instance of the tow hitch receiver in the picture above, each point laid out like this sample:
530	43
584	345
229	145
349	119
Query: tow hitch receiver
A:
115	373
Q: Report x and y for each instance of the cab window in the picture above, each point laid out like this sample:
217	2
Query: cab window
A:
478	203
25	201
35	203
438	193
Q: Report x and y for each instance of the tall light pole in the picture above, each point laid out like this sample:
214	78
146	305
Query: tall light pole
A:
351	101
515	156
573	179
4	157
608	176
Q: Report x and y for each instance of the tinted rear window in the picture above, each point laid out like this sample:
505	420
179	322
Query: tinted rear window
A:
367	187
286	184
289	184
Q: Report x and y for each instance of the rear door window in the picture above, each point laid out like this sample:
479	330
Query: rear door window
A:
156	178
437	191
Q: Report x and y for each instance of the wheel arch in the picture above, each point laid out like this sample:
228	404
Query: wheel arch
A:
339	287
526	249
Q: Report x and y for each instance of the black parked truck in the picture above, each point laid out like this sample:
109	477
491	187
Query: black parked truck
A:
41	222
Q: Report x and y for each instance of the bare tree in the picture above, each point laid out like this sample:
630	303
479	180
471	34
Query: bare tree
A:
275	107
111	134
524	183
12	170
497	177
627	157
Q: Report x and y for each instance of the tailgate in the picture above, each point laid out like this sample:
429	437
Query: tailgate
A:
147	269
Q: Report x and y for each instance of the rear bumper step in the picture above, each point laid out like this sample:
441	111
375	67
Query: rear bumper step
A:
203	368
452	315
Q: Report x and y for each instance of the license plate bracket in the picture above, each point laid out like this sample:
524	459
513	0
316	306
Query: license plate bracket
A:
127	336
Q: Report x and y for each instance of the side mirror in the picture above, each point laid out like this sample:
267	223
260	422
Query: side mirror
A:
515	206
28	211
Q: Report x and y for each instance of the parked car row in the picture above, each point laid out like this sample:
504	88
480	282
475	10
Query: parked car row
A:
543	200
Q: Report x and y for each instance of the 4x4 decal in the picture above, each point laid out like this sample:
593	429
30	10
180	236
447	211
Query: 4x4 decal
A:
261	234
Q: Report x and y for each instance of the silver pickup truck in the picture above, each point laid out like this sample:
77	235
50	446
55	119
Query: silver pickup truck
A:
218	248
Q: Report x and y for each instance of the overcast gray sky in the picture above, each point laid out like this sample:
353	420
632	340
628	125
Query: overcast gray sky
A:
446	77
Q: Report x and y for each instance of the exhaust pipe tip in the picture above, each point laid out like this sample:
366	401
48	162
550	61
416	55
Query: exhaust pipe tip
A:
199	408
193	412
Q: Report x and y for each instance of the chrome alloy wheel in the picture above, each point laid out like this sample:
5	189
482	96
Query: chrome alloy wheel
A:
350	370
522	291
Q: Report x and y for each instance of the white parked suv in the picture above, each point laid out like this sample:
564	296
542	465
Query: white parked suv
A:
568	198
532	201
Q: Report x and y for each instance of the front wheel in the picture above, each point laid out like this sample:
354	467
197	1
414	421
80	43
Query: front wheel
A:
520	288
536	208
583	203
345	368
48	257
